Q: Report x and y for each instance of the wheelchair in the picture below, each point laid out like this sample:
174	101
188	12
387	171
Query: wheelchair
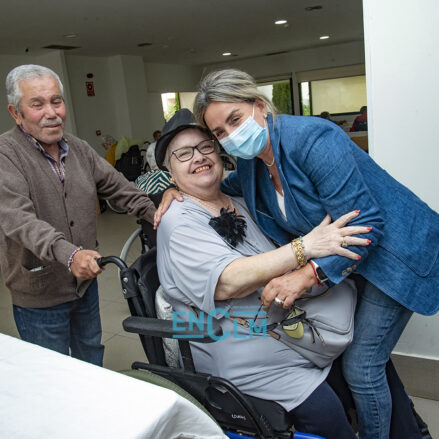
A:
239	415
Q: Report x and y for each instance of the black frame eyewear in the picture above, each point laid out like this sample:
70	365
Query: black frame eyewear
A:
197	147
299	317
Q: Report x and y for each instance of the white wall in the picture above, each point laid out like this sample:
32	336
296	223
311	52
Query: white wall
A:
7	63
402	61
91	112
122	105
164	78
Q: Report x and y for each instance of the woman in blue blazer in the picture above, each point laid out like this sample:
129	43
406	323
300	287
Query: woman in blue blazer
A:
291	172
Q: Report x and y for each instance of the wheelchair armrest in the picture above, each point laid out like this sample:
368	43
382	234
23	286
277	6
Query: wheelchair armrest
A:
166	329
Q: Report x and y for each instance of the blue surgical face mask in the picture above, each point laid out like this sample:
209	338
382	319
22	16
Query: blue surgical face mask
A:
248	140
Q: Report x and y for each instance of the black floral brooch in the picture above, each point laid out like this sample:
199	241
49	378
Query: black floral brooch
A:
230	226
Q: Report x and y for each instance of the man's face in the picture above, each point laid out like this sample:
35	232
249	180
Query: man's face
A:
43	112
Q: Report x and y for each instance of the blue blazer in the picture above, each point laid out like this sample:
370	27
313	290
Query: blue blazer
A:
321	171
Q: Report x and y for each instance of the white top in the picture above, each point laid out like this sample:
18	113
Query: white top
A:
281	202
150	155
44	394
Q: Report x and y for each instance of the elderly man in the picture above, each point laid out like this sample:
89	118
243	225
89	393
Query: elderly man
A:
49	183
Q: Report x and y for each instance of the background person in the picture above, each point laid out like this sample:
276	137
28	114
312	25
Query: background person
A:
49	184
156	180
360	122
208	267
110	143
150	151
325	115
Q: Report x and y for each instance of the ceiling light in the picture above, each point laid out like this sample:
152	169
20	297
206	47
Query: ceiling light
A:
72	35
280	22
324	37
313	8
60	47
227	53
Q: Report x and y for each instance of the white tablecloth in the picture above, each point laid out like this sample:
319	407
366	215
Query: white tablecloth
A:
47	395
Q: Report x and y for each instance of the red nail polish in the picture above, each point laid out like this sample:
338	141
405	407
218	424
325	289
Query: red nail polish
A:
369	228
357	211
369	241
358	257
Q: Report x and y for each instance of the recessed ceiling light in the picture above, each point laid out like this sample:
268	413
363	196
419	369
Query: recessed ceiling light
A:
280	22
227	53
313	8
72	35
324	37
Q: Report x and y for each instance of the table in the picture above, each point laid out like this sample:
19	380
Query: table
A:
48	395
361	139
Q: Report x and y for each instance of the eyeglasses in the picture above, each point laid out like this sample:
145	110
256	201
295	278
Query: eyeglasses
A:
187	152
293	318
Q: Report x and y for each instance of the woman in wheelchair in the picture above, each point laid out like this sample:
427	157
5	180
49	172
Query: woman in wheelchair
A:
213	261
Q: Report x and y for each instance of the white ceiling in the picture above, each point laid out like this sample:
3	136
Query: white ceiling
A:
181	31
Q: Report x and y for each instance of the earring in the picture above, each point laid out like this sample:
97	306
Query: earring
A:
173	183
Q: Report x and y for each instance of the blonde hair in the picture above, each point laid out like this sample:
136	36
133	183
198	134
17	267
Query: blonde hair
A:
229	85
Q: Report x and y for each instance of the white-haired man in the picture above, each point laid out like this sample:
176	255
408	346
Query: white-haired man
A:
49	183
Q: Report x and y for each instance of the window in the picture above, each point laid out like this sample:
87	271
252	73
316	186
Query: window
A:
170	104
337	96
279	92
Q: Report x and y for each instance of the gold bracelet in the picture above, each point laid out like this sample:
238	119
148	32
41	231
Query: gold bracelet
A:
299	251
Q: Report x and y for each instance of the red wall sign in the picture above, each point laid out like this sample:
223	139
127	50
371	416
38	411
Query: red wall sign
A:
90	88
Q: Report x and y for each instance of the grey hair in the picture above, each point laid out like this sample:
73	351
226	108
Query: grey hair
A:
167	160
26	72
229	85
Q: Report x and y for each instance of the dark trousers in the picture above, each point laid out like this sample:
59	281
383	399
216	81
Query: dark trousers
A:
74	326
323	414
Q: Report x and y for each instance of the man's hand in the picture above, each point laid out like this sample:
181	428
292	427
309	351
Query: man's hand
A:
84	264
288	287
169	196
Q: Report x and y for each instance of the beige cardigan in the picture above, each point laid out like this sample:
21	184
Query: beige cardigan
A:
42	221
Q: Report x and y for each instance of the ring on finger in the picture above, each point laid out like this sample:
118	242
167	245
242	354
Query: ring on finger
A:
344	243
278	302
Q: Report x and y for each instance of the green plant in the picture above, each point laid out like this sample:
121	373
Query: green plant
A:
282	97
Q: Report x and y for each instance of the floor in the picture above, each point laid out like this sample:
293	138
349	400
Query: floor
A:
121	348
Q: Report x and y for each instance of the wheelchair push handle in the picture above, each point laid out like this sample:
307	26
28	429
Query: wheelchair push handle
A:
102	262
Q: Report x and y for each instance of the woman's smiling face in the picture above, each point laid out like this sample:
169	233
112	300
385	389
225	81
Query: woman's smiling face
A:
200	174
222	118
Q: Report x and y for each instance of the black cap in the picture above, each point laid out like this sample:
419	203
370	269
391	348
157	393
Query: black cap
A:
181	120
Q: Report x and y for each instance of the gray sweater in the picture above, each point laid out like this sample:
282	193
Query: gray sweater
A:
42	221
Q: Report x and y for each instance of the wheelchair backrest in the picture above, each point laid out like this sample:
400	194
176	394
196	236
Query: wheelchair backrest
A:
142	304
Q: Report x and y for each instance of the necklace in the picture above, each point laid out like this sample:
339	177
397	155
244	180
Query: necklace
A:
208	205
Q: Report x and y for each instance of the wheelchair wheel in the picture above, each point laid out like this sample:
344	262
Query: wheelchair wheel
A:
133	247
114	208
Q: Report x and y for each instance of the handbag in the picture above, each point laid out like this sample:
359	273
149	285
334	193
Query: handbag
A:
328	326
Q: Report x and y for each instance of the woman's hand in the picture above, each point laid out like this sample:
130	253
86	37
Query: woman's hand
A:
333	238
289	287
169	196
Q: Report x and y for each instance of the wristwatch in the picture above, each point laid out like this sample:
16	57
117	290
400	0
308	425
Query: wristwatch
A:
321	276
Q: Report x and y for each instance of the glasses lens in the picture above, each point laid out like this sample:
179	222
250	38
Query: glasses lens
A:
206	147
184	154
